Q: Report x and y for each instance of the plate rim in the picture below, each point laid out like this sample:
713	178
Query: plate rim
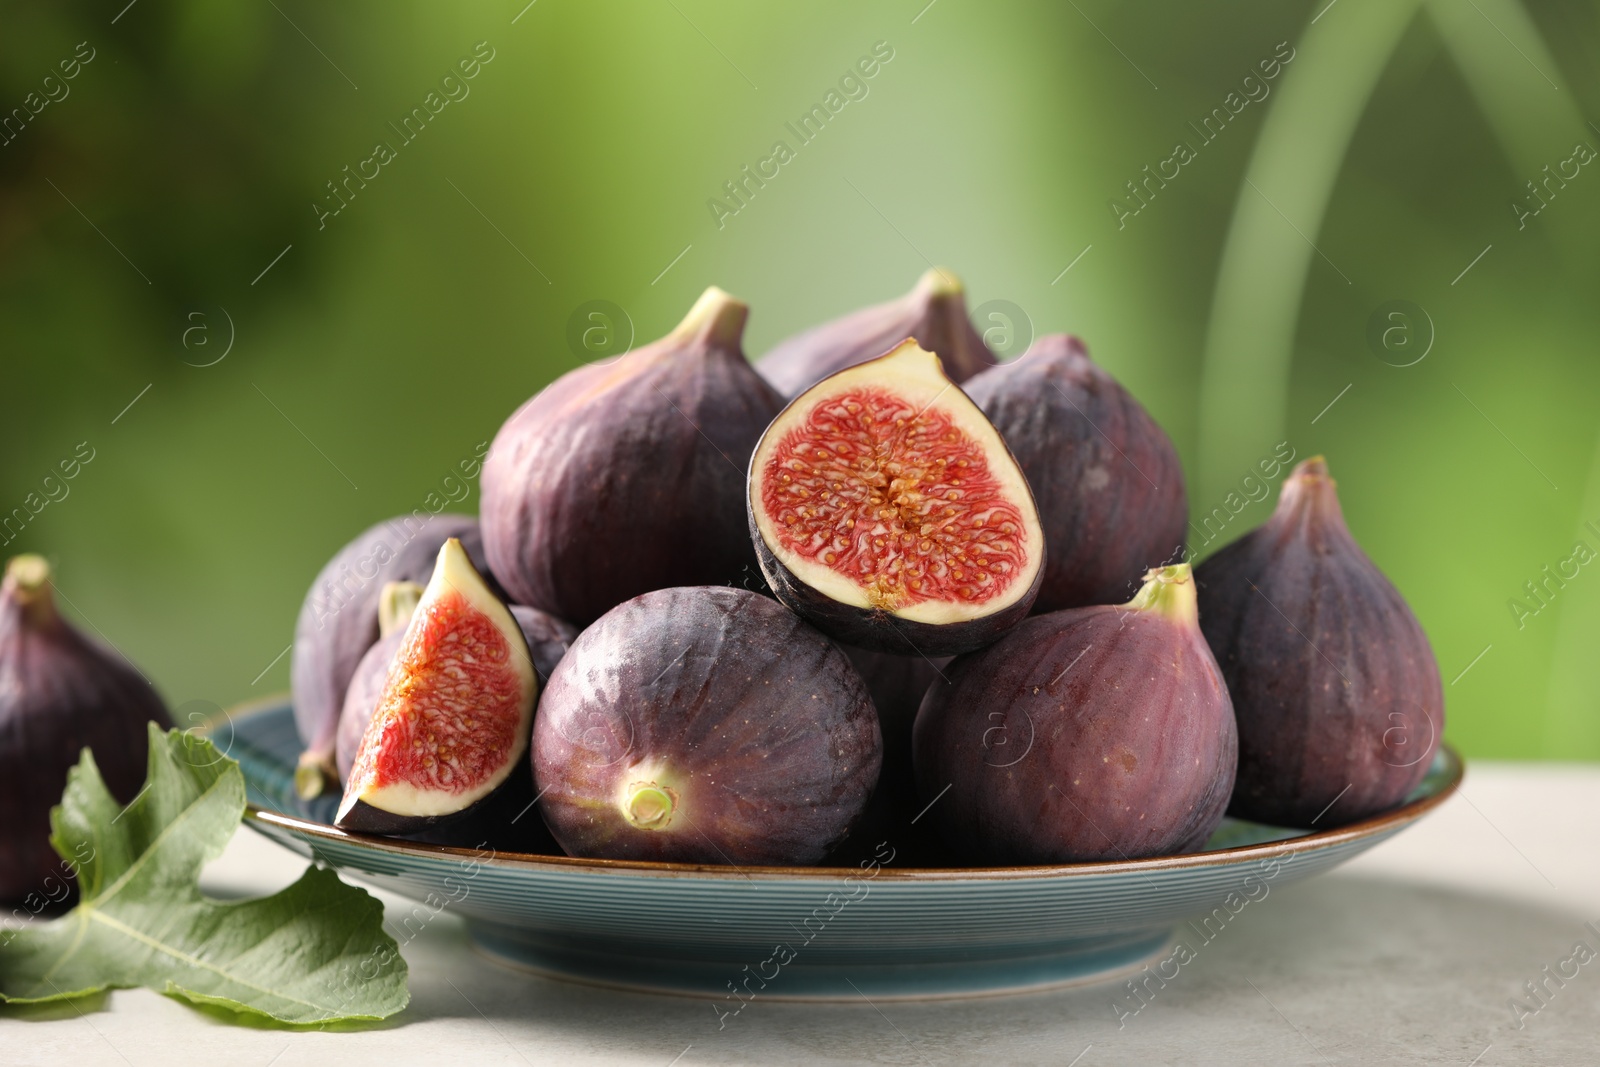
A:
1315	841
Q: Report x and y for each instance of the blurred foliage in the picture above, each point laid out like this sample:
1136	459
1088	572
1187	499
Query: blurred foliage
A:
139	211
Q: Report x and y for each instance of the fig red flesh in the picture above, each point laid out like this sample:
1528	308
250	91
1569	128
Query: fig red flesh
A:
1100	733
454	715
887	511
1336	689
547	638
339	621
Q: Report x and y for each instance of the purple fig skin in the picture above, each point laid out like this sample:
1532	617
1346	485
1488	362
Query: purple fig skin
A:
1338	696
934	312
1092	734
60	693
339	621
504	822
897	685
627	476
548	639
881	630
1107	478
704	725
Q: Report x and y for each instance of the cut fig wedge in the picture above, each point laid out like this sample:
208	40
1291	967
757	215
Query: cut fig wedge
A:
455	713
888	512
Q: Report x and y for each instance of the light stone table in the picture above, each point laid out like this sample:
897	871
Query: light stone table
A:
1411	954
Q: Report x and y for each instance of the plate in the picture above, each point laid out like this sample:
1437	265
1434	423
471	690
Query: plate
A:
812	933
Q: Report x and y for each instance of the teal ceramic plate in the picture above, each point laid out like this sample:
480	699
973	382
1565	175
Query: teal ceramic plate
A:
811	932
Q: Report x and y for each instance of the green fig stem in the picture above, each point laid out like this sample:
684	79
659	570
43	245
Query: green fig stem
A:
1169	591
397	602
716	318
314	774
936	281
1309	494
650	806
27	584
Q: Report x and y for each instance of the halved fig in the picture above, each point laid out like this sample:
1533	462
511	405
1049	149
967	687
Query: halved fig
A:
547	637
339	621
396	604
455	713
889	513
933	313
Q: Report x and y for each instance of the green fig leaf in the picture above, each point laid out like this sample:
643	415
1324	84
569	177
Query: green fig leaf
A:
313	954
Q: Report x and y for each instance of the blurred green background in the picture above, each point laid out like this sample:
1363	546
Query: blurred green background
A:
161	206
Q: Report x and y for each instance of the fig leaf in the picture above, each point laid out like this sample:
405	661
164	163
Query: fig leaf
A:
312	954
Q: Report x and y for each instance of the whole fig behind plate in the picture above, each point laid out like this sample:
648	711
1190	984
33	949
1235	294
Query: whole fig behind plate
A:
1337	693
1106	476
1091	734
59	694
704	725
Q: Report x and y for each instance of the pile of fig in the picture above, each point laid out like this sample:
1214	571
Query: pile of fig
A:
878	586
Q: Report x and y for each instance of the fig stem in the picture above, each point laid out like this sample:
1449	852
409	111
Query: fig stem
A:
27	584
937	281
716	318
397	602
650	806
313	774
1169	591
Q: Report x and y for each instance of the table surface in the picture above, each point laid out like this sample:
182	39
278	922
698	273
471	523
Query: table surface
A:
1410	954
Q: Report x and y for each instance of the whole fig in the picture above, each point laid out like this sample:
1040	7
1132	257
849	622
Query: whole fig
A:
59	694
339	621
1334	683
1100	733
627	476
1106	476
704	725
933	313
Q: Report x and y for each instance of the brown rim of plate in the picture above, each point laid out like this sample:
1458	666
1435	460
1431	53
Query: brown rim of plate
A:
1388	822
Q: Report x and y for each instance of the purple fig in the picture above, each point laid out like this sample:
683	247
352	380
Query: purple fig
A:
933	313
1091	734
547	638
452	722
339	621
1338	696
888	513
60	693
625	476
704	725
1107	479
897	685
